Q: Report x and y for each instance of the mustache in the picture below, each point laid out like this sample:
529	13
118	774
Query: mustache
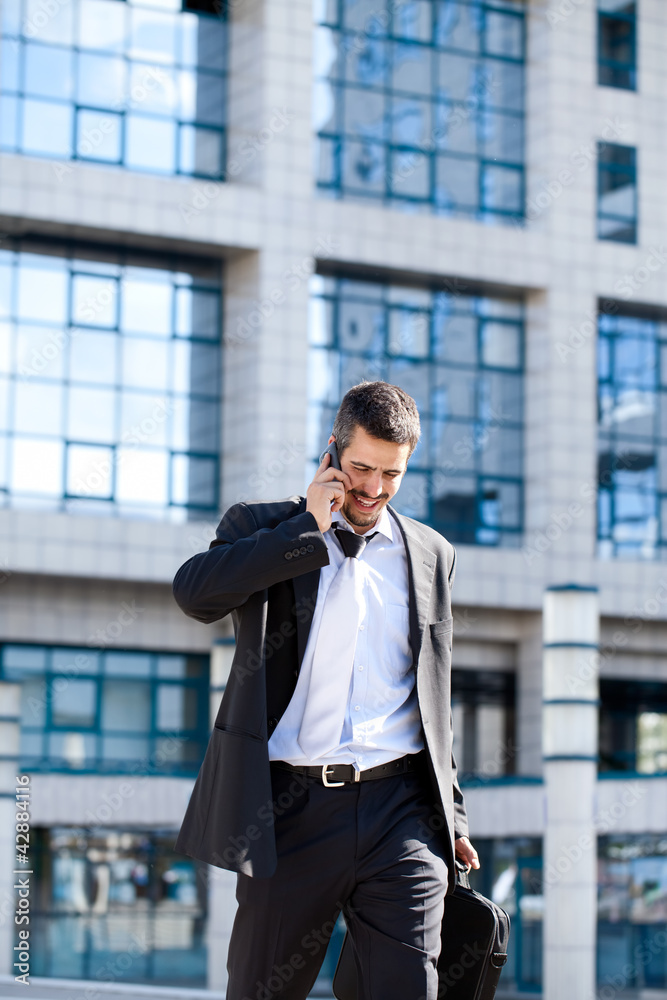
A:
365	496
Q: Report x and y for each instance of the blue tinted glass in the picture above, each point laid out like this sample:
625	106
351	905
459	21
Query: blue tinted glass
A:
9	109
94	355
94	300
101	80
153	35
102	25
503	34
89	471
114	57
42	290
201	152
151	144
99	136
48	71
9	65
91	414
38	408
47	128
146	305
449	87
502	189
472	423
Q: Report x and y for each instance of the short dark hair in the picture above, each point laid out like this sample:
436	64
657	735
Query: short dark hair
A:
384	411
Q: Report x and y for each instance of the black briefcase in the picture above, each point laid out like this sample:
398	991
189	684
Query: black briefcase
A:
475	932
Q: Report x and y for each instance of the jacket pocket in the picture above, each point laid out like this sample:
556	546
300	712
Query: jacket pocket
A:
442	627
235	731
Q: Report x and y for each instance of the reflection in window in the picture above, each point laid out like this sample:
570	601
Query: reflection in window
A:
632	436
112	403
460	357
511	875
117	900
617	193
109	712
421	107
483	703
633	726
632	911
122	83
617	44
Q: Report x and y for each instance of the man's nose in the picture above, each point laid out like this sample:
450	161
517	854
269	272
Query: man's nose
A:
373	485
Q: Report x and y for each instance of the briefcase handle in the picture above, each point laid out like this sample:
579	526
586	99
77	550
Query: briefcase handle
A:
462	874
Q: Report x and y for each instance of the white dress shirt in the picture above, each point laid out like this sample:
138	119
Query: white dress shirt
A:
382	721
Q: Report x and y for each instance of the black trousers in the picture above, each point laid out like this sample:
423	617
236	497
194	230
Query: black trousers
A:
364	848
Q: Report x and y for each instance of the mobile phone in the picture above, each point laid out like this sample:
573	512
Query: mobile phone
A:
333	452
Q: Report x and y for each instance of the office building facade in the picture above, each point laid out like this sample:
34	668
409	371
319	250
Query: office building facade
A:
217	217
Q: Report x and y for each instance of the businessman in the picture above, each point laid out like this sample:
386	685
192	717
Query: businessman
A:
329	782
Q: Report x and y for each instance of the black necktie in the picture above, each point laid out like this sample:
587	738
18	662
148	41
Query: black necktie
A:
351	543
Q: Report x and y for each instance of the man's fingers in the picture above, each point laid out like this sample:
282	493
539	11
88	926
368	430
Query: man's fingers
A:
331	475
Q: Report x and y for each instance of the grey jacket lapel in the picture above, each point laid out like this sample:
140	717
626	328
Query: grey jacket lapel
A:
421	568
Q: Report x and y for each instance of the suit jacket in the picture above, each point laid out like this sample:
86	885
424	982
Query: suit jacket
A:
264	567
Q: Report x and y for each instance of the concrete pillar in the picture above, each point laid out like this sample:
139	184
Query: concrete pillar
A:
570	753
221	883
10	707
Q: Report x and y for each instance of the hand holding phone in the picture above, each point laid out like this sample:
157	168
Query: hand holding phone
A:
326	493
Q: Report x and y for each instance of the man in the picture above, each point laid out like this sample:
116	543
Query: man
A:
329	781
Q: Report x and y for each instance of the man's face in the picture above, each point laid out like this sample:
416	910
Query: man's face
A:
375	469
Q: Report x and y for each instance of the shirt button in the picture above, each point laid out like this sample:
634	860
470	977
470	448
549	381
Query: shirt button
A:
360	667
361	628
357	708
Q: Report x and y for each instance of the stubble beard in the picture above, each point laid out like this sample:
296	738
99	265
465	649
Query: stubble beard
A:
352	514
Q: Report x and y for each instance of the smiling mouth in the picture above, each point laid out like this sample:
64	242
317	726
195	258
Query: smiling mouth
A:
364	504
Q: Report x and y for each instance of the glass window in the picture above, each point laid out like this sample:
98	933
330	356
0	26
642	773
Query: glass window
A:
632	911
617	44
123	83
388	101
112	388
633	726
106	712
483	707
632	437
102	891
617	193
461	359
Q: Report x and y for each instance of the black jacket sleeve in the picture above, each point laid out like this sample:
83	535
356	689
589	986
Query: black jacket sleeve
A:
244	559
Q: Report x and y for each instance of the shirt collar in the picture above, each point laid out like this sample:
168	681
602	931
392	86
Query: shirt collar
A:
383	524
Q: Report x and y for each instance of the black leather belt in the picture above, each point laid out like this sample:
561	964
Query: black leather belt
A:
334	775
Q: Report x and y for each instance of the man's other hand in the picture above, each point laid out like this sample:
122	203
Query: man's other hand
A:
466	853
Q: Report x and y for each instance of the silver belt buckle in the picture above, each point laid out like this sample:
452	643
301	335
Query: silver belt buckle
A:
325	780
